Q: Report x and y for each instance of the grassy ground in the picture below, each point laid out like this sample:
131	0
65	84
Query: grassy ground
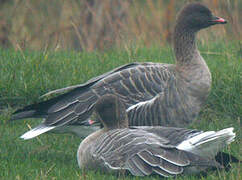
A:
24	76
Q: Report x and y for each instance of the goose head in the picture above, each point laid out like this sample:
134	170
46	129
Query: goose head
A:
111	112
196	16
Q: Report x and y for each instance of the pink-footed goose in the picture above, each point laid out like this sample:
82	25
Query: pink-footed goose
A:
146	150
153	93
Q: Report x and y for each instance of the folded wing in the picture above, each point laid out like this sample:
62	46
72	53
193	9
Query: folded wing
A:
143	153
133	83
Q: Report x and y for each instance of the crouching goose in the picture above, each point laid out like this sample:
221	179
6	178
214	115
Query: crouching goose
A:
153	93
147	150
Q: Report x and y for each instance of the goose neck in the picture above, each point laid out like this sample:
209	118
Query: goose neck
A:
185	45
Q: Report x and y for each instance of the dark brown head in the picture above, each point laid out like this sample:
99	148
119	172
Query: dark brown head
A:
111	112
196	16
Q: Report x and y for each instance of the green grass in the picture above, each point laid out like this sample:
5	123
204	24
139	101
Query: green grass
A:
27	75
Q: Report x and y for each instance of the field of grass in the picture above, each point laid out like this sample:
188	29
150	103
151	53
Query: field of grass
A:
24	76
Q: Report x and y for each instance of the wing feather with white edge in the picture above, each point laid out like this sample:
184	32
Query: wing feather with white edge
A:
143	153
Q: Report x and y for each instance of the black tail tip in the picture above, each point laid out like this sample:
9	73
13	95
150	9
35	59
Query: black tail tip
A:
226	159
21	115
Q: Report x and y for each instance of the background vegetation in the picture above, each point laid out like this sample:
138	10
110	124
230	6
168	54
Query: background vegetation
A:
93	24
47	45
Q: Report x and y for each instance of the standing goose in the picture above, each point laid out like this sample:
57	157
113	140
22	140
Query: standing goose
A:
146	150
153	93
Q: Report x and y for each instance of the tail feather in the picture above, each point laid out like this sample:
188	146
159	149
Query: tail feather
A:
38	110
208	144
41	109
36	131
23	114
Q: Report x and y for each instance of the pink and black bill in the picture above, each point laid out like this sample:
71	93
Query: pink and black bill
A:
218	20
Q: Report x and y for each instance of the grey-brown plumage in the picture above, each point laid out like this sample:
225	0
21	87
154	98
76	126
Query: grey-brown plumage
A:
153	93
147	150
